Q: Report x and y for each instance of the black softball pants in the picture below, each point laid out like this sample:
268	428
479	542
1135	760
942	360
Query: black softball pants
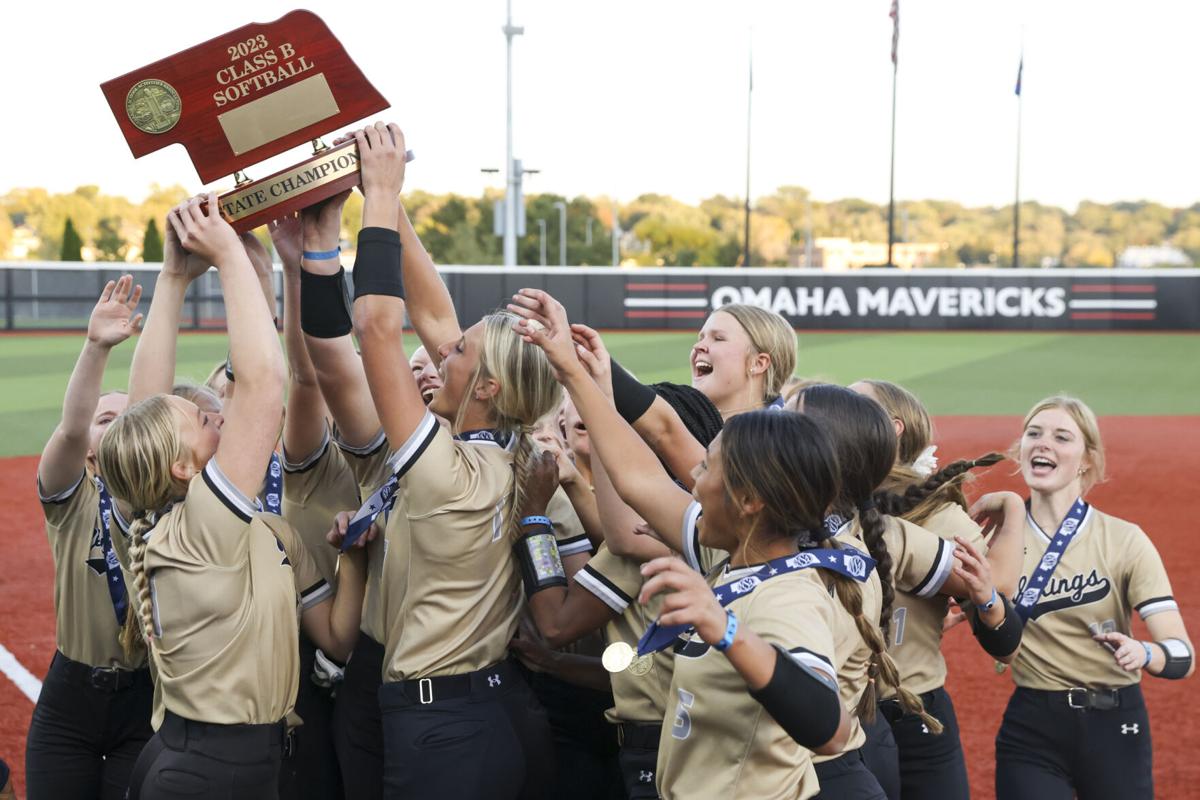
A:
89	725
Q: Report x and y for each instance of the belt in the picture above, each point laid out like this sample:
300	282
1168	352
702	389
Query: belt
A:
424	691
105	679
642	735
1082	699
242	736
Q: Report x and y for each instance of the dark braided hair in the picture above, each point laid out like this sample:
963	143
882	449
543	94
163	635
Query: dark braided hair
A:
920	500
698	413
865	442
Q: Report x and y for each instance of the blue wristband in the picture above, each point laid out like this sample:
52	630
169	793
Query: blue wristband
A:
536	520
990	604
1149	654
321	255
731	626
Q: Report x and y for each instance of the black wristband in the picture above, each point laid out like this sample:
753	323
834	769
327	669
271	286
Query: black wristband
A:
324	306
1179	659
377	264
1001	641
631	398
541	565
801	700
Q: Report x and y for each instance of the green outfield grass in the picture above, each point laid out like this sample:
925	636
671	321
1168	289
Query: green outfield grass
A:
955	373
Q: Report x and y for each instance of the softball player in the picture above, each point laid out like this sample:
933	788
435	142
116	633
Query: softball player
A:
1077	726
218	586
932	766
742	357
764	486
93	714
451	590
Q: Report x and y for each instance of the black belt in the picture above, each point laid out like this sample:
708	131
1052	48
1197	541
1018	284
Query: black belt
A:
105	679
178	731
1082	699
423	691
643	735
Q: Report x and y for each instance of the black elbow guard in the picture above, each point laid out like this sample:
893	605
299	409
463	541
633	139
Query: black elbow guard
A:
803	700
324	306
377	265
1003	640
1179	659
631	398
541	565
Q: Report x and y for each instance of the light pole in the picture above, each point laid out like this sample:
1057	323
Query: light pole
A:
512	180
542	243
616	237
562	232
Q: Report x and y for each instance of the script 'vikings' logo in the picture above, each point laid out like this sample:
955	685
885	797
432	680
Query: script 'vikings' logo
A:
802	560
746	584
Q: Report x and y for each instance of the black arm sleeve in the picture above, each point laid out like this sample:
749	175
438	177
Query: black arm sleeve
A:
802	701
324	306
1002	641
631	398
377	264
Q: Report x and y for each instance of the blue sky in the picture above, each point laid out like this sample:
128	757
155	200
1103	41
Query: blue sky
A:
633	96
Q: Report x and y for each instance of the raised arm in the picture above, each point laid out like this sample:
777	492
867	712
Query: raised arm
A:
621	523
1002	516
379	288
636	474
112	322
326	323
430	308
333	625
253	415
304	423
153	369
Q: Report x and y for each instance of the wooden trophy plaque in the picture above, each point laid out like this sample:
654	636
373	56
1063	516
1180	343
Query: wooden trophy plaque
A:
245	96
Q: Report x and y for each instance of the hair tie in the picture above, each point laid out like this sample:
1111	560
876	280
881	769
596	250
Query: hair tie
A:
866	505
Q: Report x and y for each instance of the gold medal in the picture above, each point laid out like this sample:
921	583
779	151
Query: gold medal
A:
641	665
153	106
617	656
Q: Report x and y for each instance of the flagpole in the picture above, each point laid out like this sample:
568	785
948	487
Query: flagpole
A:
1016	247
895	15
749	98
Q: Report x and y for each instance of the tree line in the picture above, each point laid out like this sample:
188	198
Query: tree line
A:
654	229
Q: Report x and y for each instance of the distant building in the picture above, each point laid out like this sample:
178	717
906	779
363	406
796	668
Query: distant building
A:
25	243
1163	255
838	253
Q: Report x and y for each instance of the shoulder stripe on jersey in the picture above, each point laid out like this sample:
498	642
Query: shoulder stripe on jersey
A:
228	494
933	581
315	594
368	449
410	451
1156	605
691	536
575	545
62	496
310	460
604	589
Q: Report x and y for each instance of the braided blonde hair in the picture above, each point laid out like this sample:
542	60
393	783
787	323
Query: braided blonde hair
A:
528	391
135	458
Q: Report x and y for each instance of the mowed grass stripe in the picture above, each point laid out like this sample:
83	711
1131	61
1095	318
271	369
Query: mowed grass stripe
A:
954	373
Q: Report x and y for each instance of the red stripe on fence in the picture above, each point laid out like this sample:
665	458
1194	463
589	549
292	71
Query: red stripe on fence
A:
1147	315
666	287
666	314
1113	287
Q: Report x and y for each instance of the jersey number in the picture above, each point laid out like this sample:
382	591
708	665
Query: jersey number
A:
683	720
898	617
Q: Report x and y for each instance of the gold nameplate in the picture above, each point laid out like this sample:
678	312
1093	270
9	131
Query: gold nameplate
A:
275	116
290	183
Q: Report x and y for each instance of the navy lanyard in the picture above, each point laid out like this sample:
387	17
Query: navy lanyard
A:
274	486
1050	559
112	568
383	498
845	561
834	523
